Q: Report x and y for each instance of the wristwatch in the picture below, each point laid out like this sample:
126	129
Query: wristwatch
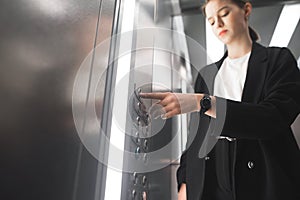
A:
205	104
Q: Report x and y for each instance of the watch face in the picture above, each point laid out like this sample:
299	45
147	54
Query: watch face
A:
206	102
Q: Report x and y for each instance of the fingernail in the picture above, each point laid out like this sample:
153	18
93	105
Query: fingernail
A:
163	117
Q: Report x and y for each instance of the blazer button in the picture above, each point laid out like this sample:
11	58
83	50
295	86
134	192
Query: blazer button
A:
250	165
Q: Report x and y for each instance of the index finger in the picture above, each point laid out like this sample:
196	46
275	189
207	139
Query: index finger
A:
155	95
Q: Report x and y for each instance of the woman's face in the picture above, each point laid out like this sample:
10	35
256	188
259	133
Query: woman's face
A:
228	21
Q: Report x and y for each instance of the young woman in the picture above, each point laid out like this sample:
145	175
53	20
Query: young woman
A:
256	156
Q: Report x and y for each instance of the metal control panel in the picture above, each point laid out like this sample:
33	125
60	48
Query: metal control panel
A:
142	142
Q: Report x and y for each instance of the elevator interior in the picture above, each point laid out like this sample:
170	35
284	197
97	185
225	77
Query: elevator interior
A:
72	123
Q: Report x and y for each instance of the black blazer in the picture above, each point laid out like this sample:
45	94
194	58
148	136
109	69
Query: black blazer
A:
263	163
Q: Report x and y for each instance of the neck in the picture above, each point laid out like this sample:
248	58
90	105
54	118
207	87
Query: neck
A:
240	47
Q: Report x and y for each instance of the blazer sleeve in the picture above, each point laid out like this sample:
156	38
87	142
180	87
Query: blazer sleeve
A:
200	87
274	114
181	172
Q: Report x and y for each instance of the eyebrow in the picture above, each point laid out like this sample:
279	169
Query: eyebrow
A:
224	7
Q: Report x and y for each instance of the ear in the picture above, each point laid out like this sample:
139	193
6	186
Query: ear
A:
247	9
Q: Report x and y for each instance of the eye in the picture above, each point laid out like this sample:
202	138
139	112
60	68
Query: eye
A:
212	22
224	14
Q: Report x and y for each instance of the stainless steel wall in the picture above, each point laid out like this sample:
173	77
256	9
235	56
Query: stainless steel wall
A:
42	46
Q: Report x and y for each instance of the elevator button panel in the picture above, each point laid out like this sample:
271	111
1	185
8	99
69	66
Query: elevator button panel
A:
138	110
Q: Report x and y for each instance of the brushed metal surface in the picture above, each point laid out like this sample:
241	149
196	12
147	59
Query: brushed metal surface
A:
42	46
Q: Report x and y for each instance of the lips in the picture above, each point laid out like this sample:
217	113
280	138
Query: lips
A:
222	32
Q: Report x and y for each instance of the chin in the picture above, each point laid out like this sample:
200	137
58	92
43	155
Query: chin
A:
224	40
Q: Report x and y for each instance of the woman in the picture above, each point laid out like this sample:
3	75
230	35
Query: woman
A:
256	157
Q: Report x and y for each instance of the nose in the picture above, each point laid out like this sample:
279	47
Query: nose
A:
219	22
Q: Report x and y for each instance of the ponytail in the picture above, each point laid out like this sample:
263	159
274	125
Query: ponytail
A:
253	34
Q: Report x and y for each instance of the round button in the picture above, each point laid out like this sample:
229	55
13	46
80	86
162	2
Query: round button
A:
139	105
137	134
144	181
137	152
137	140
133	193
145	158
250	165
146	145
138	120
135	176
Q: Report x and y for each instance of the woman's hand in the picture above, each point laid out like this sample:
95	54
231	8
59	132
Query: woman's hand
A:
182	192
175	103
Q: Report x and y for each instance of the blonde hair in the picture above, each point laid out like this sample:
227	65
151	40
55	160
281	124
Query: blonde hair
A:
240	3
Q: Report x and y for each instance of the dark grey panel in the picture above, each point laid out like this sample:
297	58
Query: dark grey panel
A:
264	20
194	27
294	44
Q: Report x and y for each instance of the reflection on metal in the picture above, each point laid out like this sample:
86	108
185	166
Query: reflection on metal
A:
52	8
117	138
185	70
155	67
286	25
43	44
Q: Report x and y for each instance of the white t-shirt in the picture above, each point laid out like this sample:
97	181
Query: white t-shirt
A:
230	79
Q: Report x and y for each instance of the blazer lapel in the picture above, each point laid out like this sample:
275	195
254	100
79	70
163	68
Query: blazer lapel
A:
256	72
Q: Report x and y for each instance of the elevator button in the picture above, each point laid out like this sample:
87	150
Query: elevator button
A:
250	164
145	145
138	120
145	158
133	194
144	180
134	174
137	152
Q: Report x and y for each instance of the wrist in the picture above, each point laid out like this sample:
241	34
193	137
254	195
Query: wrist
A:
212	111
205	104
199	97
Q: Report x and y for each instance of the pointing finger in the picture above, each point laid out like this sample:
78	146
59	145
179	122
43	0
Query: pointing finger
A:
157	95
